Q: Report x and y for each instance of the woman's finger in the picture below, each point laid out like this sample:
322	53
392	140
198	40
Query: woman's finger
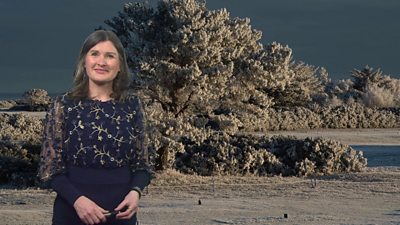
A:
89	220
88	211
100	214
95	219
127	214
121	205
124	214
99	217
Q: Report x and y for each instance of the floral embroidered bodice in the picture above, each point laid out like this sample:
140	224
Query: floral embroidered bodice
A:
91	133
100	134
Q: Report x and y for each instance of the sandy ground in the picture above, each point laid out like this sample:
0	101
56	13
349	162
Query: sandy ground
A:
382	136
370	197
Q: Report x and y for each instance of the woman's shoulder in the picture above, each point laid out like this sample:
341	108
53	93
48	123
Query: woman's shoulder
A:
63	98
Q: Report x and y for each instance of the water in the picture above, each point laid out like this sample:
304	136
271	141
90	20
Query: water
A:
11	96
380	155
16	96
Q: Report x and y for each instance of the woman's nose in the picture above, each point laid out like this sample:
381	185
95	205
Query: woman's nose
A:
102	61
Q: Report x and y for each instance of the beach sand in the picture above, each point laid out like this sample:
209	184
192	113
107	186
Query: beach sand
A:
370	197
383	136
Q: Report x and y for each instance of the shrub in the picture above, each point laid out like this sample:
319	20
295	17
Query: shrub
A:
37	99
20	142
222	154
375	96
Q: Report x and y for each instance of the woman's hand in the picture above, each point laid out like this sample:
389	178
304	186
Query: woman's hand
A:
88	211
130	203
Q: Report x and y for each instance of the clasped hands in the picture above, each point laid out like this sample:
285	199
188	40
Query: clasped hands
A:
90	213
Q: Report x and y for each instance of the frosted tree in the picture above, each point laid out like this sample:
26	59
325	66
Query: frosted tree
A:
302	88
189	58
363	78
375	89
195	62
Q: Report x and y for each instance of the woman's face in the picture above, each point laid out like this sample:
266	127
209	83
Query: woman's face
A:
102	63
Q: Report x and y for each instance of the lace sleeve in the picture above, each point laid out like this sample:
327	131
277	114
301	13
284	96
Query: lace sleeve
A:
142	160
51	156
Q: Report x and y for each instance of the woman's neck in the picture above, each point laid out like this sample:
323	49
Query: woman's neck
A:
100	92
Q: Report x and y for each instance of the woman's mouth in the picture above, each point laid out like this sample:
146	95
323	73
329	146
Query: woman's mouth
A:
101	71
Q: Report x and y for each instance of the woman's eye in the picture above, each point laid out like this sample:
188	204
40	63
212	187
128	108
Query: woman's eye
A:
94	54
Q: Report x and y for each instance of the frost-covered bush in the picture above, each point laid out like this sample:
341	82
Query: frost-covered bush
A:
21	128
357	116
338	93
37	99
375	89
354	115
18	163
317	156
293	119
368	86
222	154
20	141
375	96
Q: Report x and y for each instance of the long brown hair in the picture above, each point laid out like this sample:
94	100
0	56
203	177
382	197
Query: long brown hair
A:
80	89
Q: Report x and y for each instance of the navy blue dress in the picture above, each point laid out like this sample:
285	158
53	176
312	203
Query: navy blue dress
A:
94	149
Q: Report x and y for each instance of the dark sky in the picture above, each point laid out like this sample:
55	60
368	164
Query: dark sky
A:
40	40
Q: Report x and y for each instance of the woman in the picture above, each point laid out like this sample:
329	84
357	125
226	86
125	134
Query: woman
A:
94	151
